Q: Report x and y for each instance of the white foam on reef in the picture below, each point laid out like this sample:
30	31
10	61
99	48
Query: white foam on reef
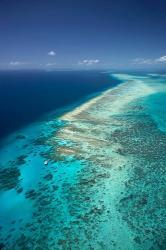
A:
132	88
78	110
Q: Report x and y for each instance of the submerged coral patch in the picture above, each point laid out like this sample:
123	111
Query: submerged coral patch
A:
21	160
20	137
9	178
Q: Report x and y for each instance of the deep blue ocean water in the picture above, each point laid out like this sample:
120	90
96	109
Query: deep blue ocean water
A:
26	96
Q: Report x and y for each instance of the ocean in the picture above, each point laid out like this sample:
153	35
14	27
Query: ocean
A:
26	96
83	165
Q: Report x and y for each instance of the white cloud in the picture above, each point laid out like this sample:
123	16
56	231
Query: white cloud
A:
89	62
51	53
149	60
161	59
142	61
137	60
50	64
17	63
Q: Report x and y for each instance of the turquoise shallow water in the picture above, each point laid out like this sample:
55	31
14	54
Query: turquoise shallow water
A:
104	185
157	109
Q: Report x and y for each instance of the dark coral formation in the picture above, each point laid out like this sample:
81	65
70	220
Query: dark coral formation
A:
21	160
9	178
144	201
31	194
20	137
40	141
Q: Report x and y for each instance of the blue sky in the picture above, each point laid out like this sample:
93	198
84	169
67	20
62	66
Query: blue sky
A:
89	34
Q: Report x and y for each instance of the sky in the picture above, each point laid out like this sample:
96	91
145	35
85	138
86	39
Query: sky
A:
82	34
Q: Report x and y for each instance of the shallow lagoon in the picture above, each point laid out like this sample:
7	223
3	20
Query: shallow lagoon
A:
104	185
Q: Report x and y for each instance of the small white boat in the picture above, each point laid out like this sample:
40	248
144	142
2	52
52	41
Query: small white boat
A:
46	162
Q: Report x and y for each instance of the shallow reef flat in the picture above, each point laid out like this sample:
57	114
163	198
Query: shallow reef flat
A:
104	185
